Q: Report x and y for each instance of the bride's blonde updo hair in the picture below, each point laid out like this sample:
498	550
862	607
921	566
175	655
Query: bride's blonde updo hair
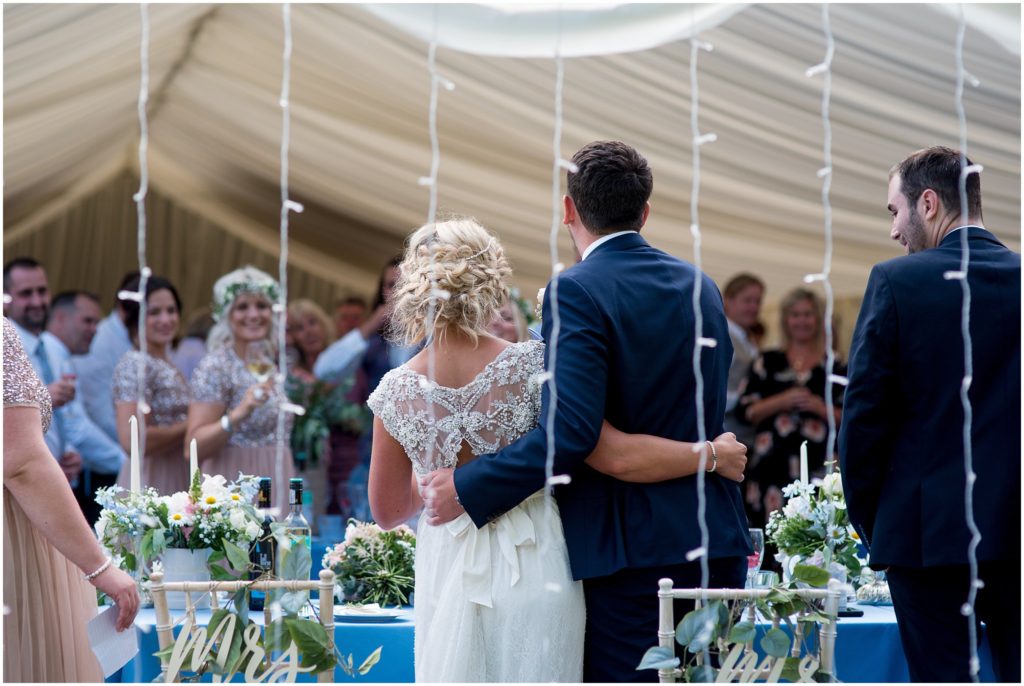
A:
467	264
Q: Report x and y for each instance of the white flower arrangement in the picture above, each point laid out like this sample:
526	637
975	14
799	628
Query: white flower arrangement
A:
813	526
212	514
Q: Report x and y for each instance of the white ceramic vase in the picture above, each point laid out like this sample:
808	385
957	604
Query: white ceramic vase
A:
181	564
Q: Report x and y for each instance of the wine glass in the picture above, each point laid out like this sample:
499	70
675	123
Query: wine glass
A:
754	559
259	360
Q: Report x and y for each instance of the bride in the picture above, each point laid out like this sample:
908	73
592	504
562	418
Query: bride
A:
494	604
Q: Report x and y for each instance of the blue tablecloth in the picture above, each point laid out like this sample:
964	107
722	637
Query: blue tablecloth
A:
357	639
868	649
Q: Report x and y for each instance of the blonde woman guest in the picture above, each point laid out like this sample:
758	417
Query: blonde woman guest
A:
49	548
343	409
484	609
784	400
233	417
166	390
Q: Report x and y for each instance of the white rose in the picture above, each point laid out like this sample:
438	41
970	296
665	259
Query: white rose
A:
253	531
101	526
238	520
832	484
177	508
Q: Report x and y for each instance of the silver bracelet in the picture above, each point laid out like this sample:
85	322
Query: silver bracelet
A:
225	423
714	457
103	568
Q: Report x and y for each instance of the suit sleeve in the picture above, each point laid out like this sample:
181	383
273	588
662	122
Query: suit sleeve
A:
870	406
492	484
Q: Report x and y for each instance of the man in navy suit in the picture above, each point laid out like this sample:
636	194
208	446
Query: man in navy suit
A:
901	443
625	342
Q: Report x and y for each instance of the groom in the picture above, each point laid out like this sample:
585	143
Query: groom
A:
625	352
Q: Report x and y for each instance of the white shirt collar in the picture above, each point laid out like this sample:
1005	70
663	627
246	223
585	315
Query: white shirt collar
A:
29	341
601	240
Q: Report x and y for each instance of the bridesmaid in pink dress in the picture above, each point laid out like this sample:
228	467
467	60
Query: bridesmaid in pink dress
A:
49	549
164	464
233	416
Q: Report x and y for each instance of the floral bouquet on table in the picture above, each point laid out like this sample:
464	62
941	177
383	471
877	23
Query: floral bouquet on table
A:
213	513
814	528
373	565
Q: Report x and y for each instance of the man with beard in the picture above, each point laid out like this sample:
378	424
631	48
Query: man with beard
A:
901	443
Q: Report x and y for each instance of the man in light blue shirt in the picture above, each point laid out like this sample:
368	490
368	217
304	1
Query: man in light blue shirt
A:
27	304
74	317
96	368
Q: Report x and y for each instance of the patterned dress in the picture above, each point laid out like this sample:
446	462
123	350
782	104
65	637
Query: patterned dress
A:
222	377
50	602
775	460
496	603
167	394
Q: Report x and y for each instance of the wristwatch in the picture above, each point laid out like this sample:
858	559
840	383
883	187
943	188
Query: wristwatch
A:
225	423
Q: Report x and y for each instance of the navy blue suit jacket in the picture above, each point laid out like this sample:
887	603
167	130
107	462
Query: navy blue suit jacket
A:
901	442
625	353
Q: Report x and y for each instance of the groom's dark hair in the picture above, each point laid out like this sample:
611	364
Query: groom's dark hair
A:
610	187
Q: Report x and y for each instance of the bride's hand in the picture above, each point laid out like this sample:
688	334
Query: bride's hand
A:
732	456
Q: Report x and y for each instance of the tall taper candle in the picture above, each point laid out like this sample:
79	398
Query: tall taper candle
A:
136	482
803	463
193	462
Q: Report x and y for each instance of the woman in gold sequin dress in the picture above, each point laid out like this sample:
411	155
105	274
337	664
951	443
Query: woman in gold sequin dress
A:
232	416
48	546
164	463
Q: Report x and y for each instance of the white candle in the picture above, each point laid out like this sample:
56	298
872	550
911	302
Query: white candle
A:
193	462
135	465
803	463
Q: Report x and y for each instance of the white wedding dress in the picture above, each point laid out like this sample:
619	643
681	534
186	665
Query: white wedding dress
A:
494	604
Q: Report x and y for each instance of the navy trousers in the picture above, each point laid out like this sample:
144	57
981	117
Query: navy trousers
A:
622	614
934	632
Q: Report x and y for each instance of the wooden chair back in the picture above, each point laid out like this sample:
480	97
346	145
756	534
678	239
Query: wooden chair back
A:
165	629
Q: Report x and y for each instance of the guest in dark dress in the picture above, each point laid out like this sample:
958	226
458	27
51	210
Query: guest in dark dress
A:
784	399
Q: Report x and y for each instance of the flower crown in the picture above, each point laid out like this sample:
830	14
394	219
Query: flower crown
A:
244	280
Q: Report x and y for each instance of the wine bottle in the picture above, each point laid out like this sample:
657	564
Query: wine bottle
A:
262	555
296	528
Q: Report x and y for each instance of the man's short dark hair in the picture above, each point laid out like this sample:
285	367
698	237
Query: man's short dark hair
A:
65	300
18	263
938	168
610	187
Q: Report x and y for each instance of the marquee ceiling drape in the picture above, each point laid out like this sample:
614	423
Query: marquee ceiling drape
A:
359	94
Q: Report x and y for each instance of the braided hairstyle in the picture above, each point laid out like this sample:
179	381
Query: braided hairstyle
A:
470	272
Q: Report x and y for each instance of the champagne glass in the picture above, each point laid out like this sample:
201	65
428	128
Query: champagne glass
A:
754	559
259	360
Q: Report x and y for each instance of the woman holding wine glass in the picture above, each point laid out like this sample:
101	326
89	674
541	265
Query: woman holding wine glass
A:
233	414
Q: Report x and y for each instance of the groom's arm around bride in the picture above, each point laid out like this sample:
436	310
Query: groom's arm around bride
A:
624	352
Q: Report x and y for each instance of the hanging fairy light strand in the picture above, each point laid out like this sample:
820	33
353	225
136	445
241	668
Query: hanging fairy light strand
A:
287	205
825	174
967	610
141	406
699	340
436	294
548	376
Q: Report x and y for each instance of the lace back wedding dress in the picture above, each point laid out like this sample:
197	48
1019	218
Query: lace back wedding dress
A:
494	604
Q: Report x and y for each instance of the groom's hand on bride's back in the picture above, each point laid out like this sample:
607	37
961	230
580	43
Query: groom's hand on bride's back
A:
440	503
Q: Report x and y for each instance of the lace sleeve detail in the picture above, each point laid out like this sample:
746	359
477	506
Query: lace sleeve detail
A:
398	403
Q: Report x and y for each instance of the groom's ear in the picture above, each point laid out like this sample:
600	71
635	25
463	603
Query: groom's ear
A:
647	213
569	210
